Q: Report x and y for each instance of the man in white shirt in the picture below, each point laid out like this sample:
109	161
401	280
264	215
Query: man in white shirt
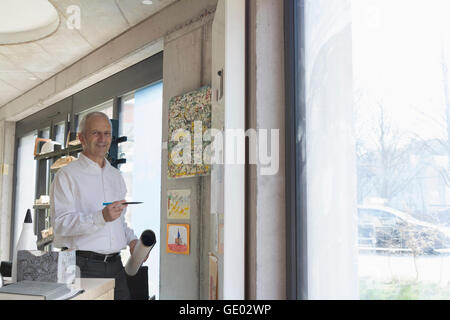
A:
80	220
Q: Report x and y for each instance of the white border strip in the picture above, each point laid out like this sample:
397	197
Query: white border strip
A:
234	174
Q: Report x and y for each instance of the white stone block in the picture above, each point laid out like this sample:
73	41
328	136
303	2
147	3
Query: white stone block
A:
44	266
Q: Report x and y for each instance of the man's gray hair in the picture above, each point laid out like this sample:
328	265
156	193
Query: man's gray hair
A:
82	127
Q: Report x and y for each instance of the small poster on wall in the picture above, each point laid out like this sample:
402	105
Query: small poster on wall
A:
178	239
179	204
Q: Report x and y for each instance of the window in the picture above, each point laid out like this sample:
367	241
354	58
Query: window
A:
373	115
106	107
59	133
33	180
26	177
141	122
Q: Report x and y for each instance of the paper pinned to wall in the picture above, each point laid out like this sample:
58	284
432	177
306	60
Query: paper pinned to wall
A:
178	239
213	277
179	204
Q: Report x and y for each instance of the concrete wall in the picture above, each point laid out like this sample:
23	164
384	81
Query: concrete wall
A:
187	66
7	139
266	245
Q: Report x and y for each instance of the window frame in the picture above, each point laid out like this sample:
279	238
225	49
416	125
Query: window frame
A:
296	173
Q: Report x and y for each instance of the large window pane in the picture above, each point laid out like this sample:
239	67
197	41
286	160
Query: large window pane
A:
402	117
25	183
378	128
141	121
106	107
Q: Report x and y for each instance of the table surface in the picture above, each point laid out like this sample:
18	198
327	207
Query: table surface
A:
93	288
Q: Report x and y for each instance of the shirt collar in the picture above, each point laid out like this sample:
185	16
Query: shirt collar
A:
92	164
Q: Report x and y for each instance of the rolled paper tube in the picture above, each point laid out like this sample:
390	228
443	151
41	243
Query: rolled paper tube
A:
141	250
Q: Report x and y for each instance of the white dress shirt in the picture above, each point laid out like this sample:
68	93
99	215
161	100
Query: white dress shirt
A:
77	195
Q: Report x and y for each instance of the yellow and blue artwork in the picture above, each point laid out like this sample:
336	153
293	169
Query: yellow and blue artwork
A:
179	204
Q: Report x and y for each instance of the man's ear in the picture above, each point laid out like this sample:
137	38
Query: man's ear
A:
81	138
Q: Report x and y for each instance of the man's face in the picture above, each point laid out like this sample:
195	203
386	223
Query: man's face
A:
97	137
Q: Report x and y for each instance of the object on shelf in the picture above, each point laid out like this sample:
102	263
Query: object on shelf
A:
74	142
44	199
36	144
62	162
44	242
27	241
43	266
49	146
47	233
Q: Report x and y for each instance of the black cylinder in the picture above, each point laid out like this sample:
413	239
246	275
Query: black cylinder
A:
148	238
5	268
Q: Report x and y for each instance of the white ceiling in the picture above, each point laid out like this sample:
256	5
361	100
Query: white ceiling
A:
23	66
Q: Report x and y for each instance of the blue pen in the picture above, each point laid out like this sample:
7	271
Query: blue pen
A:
108	203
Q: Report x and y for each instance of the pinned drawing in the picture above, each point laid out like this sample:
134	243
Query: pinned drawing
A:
189	118
178	239
213	277
179	204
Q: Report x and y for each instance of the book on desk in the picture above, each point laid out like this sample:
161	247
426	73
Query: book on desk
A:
36	290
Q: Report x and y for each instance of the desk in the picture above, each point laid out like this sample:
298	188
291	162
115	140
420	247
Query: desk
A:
96	289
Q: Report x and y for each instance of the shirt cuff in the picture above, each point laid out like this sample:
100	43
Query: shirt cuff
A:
98	219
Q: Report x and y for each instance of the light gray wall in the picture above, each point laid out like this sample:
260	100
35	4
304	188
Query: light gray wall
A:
187	66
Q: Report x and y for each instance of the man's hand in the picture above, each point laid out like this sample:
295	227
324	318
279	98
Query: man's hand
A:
114	210
132	245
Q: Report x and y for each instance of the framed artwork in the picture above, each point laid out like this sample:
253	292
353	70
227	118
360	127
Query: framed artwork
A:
177	239
189	118
179	204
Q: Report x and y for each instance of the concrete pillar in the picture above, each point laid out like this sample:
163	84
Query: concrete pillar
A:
187	66
7	139
266	245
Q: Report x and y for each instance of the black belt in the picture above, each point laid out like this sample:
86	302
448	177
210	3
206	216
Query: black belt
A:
98	256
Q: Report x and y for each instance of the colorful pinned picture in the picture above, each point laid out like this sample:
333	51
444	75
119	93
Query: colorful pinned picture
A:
189	118
179	204
178	239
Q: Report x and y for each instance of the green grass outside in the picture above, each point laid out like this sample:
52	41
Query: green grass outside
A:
402	290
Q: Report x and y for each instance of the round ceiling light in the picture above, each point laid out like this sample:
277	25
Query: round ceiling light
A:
26	20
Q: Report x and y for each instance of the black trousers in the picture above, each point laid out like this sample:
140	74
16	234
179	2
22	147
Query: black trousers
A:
91	268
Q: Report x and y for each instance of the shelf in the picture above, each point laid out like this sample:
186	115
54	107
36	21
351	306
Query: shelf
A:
41	206
44	242
59	153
